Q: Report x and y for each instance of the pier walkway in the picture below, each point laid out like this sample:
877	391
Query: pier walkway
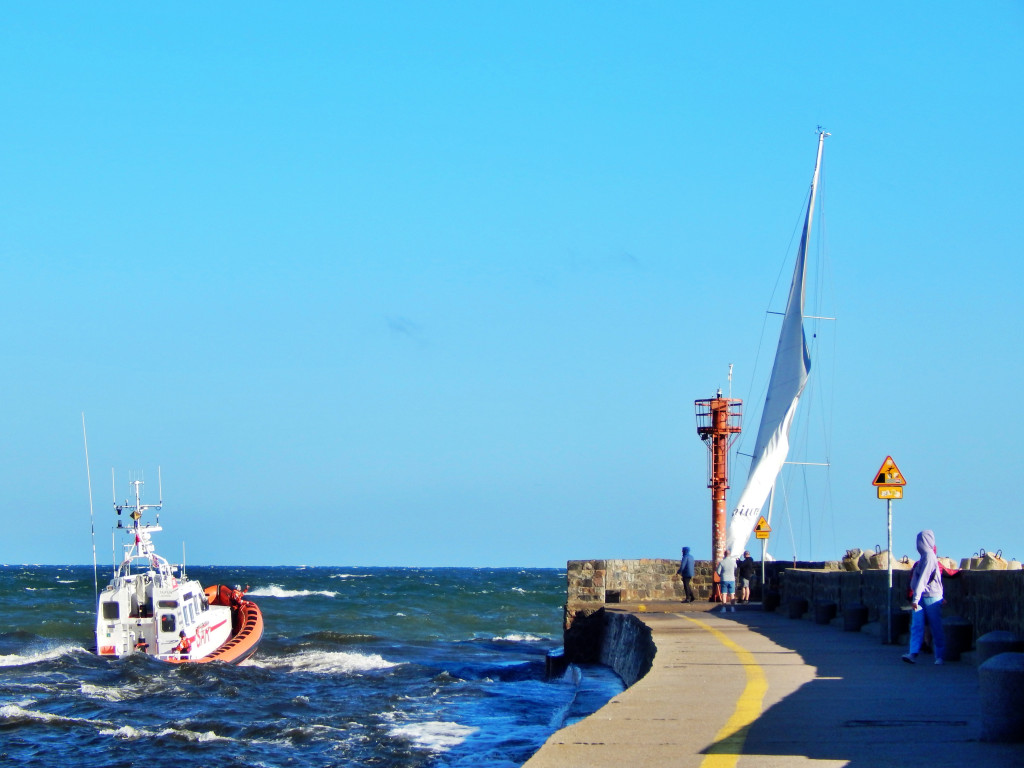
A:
759	690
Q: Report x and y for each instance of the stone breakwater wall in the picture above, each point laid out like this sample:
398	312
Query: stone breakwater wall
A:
988	600
617	640
632	581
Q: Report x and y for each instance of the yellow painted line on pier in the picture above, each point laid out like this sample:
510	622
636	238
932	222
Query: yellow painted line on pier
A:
728	745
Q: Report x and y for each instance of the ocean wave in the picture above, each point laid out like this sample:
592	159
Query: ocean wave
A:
125	733
183	734
351	576
34	657
12	714
515	637
275	591
337	638
436	736
110	692
327	662
130	733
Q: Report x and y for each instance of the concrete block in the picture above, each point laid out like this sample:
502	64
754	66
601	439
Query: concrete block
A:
1000	641
855	616
824	611
959	634
1001	685
900	626
797	608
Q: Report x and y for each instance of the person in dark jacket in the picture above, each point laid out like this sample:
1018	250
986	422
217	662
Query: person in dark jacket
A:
748	570
686	571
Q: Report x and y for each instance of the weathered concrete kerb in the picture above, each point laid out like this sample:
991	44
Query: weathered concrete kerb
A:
757	689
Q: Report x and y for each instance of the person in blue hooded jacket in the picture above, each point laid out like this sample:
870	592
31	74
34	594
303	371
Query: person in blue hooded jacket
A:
686	571
926	600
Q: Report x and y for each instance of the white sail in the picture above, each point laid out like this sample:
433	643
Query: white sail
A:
789	375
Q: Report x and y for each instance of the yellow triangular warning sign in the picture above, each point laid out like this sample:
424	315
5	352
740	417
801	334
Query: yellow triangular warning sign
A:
889	474
762	525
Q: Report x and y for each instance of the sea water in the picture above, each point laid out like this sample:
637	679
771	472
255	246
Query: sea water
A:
358	667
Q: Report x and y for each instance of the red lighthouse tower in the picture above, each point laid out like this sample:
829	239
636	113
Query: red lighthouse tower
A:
718	424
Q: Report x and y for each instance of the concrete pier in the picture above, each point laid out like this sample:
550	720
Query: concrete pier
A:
760	690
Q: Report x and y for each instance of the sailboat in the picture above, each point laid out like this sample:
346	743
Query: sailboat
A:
790	373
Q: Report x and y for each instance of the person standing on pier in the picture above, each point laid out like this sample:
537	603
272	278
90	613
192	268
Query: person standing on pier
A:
727	576
748	570
686	571
926	600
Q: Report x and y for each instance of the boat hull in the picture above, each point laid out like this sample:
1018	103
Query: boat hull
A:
246	629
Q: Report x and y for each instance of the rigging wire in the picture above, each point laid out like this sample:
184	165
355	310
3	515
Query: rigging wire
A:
825	282
786	261
820	397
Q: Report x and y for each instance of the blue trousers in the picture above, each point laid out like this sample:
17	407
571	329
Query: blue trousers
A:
930	614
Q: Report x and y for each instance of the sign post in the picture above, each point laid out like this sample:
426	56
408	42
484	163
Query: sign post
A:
762	530
889	481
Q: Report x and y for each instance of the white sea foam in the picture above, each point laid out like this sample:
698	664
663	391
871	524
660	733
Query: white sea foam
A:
515	637
130	733
126	733
350	576
12	713
108	692
183	734
328	662
435	736
275	591
47	654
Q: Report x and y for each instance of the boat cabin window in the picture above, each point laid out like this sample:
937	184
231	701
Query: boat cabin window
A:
111	610
167	623
168	603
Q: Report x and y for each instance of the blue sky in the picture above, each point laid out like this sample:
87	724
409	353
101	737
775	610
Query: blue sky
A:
438	283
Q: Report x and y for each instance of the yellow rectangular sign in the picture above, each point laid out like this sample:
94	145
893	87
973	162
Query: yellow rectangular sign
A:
890	492
761	534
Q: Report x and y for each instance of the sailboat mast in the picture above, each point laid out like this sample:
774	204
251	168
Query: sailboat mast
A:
814	193
789	375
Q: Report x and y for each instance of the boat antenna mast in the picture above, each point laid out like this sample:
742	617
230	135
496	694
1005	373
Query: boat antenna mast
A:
92	519
135	511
